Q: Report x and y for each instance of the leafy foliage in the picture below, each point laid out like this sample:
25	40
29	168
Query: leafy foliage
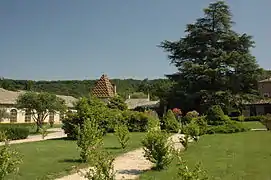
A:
117	102
102	167
3	114
122	133
156	149
9	161
15	132
215	66
192	130
216	116
89	139
185	173
136	121
40	104
229	127
170	123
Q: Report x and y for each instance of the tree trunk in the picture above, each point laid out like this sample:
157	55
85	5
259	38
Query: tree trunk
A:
39	125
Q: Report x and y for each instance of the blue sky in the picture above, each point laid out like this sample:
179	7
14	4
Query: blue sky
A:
68	39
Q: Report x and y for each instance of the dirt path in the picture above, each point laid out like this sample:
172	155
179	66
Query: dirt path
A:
57	133
128	165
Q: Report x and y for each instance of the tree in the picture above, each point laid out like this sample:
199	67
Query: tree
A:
117	102
3	114
40	105
214	63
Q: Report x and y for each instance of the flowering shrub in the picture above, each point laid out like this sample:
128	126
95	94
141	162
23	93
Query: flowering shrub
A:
177	111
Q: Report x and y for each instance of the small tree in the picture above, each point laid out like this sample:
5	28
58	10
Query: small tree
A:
89	139
102	167
216	116
122	133
170	122
187	174
40	104
9	159
3	114
157	149
117	103
153	123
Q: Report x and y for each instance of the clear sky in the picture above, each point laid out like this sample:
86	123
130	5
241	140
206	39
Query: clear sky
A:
81	39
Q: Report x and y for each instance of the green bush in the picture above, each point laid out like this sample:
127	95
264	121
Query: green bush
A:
202	123
71	124
10	160
15	132
254	118
136	121
170	123
157	149
122	133
192	130
267	121
215	116
89	139
230	127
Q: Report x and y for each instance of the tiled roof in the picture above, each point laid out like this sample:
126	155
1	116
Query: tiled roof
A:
261	101
10	97
265	80
103	88
133	103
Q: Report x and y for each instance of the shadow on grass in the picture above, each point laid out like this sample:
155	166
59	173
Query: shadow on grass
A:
112	148
70	161
131	171
63	138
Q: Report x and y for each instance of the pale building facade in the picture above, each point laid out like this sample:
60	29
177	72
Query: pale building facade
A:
8	102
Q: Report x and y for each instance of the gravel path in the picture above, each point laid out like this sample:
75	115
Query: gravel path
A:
128	165
57	133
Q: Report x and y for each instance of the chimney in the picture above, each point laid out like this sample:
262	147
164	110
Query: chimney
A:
129	97
148	97
115	89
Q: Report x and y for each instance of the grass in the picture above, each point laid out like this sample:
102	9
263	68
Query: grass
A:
254	125
226	157
55	158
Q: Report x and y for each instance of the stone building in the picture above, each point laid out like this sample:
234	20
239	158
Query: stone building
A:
8	102
263	106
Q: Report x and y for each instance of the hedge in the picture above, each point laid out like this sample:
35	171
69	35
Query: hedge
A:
230	127
250	118
15	132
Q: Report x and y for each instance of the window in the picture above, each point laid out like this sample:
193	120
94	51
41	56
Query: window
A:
13	115
51	117
27	116
61	116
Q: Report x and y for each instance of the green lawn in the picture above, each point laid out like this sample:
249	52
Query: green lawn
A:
54	158
226	156
254	125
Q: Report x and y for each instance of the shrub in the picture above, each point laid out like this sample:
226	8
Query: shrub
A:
137	121
153	123
267	121
254	118
71	124
122	133
170	123
184	172
192	114
102	167
156	149
202	123
10	160
44	132
15	132
117	103
192	130
230	127
89	138
215	116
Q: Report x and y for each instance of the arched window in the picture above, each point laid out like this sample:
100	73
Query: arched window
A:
27	117
51	117
13	115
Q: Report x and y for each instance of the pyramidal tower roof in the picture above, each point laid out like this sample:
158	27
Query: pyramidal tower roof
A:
103	88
